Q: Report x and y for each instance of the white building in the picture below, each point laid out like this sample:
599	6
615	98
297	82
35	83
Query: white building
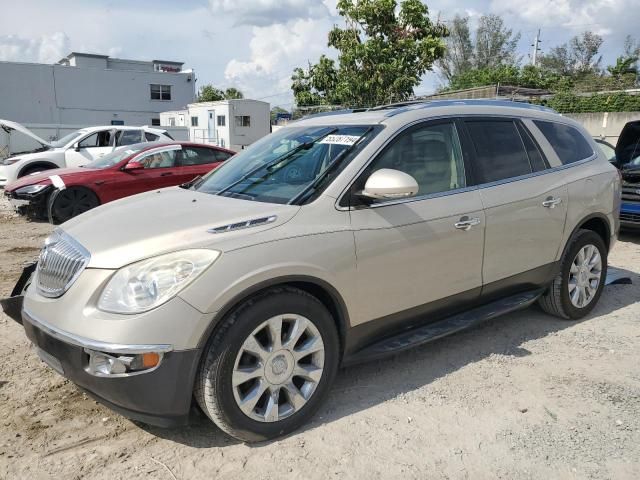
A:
86	89
233	124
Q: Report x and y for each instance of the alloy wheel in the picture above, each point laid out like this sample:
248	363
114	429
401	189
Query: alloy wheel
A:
278	368
585	276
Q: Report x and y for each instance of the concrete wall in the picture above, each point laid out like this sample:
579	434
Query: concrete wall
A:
58	94
604	125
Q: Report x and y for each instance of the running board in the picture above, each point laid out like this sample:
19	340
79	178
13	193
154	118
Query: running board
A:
420	335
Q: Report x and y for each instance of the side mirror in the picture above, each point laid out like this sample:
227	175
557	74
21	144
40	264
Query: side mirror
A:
76	147
387	184
133	166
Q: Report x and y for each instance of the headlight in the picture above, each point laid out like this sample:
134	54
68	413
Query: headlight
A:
32	189
11	161
147	284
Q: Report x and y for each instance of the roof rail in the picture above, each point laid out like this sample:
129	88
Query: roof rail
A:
331	112
477	102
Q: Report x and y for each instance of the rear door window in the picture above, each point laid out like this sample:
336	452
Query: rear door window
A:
500	151
568	143
222	156
128	137
538	162
197	156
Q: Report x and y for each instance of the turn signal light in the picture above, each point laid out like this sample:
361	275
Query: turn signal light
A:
150	360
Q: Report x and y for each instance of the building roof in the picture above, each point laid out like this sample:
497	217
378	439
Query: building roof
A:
95	55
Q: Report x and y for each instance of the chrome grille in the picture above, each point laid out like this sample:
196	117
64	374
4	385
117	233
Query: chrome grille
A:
61	261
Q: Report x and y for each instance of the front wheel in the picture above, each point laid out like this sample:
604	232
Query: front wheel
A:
269	366
71	202
576	289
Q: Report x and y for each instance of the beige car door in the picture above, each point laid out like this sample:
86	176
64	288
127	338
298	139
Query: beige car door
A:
421	254
525	205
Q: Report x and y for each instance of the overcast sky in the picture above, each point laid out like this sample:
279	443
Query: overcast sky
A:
255	44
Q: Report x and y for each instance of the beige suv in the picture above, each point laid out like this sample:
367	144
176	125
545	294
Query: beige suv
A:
337	239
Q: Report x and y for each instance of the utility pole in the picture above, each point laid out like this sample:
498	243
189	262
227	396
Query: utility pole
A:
536	49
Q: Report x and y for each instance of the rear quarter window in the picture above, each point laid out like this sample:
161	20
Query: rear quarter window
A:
567	141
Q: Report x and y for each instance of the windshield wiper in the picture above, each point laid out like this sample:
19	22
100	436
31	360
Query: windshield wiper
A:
312	187
290	153
191	183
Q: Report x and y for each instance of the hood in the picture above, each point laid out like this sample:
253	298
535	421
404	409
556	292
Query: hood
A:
628	145
167	220
44	177
9	126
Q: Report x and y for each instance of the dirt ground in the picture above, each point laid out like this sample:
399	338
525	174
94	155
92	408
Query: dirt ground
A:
523	396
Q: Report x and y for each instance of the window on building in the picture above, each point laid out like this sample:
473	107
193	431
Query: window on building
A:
160	92
222	120
155	122
172	121
194	121
117	122
567	142
500	153
243	121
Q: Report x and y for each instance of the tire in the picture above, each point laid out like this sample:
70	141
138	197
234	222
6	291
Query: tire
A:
227	354
557	300
71	202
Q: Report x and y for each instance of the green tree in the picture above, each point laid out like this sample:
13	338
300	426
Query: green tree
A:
209	93
492	47
579	57
495	44
232	93
459	55
382	53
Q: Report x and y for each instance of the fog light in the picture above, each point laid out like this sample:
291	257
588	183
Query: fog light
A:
107	364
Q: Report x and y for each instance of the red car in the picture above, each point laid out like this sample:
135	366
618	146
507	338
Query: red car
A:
63	193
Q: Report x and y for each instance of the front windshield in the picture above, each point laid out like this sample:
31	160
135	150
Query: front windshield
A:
66	139
284	165
110	159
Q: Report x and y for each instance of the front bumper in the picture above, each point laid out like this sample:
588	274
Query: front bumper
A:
160	396
35	204
630	215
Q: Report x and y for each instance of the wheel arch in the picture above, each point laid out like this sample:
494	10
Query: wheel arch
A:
320	289
47	164
596	222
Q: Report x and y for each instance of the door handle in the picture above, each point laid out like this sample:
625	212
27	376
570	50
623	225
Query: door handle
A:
465	223
551	202
166	174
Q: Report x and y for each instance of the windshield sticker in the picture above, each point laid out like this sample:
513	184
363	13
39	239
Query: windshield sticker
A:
340	139
57	182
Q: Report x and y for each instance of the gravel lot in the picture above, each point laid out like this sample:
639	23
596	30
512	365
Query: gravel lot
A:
524	396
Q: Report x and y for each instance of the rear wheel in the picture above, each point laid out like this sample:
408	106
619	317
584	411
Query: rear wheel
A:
71	202
269	366
578	286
